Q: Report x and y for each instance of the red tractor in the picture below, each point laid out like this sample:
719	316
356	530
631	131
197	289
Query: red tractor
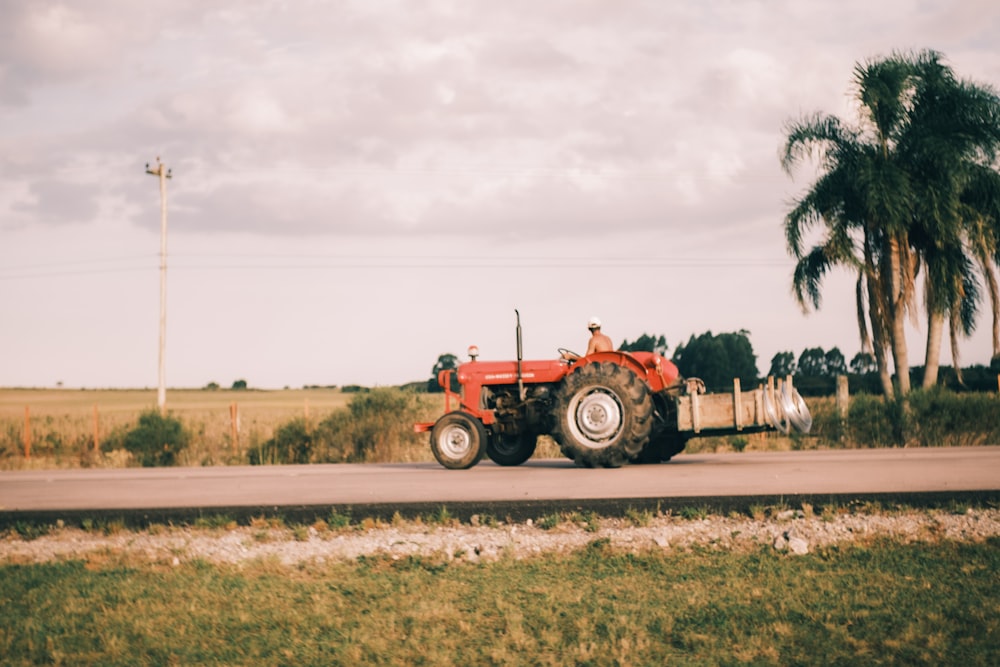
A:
604	410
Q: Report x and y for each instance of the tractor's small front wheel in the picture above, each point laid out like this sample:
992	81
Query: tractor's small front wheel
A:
458	440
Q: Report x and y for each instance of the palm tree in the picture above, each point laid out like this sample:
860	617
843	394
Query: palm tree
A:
913	187
949	146
862	197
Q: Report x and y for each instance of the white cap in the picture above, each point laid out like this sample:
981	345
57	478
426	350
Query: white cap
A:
594	323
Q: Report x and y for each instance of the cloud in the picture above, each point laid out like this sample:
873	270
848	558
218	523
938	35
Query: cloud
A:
390	159
266	207
476	119
58	202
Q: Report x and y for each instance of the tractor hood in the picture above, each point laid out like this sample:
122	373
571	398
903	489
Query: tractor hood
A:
505	372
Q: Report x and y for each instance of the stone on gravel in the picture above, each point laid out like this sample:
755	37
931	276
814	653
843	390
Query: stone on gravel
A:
798	546
466	543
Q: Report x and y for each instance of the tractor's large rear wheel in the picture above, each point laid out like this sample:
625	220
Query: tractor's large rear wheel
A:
511	450
458	440
603	415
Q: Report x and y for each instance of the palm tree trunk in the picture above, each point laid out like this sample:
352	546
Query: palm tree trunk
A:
932	359
879	346
859	298
897	312
935	333
900	355
991	282
953	335
884	376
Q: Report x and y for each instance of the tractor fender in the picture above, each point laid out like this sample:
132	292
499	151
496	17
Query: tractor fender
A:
617	357
656	371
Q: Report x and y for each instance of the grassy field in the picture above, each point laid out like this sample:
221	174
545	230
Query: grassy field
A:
63	432
880	603
62	420
84	428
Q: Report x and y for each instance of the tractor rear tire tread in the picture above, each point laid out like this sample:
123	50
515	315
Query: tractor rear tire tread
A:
636	406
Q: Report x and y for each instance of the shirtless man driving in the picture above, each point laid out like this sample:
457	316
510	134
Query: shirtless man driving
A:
598	341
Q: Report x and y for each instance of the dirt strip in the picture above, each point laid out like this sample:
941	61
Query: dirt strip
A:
791	531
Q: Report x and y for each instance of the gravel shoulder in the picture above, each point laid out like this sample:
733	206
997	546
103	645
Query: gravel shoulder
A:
795	532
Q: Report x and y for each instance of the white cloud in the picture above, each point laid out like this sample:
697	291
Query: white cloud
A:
405	132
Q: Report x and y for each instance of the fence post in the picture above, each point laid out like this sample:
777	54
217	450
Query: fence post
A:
234	420
843	396
843	402
27	432
97	430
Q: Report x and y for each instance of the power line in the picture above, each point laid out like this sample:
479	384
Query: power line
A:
295	262
70	262
456	168
60	274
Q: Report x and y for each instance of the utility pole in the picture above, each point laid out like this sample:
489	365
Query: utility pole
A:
163	174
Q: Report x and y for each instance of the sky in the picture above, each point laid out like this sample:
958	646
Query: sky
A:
358	187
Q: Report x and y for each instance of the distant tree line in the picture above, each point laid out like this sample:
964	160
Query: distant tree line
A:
645	343
717	359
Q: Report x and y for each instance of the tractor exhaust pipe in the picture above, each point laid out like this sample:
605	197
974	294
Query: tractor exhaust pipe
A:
520	377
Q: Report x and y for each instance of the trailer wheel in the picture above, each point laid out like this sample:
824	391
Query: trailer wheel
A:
664	440
457	440
662	447
510	450
603	415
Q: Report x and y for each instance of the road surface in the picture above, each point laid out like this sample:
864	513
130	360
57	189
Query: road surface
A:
538	483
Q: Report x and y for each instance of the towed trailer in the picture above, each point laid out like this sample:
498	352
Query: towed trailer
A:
606	409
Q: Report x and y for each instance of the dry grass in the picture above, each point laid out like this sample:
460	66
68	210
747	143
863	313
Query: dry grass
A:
63	425
62	421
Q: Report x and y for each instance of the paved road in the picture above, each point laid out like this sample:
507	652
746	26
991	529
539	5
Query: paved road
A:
689	476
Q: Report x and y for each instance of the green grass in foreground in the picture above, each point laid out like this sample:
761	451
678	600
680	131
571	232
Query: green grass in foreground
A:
886	603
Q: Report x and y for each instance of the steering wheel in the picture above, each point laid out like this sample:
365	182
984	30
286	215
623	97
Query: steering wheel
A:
567	355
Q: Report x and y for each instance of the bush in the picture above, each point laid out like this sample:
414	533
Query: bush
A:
292	443
932	418
378	427
156	440
941	417
375	427
875	422
826	425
